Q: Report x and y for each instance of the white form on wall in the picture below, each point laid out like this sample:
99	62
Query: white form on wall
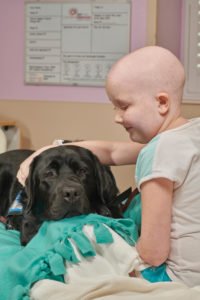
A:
74	42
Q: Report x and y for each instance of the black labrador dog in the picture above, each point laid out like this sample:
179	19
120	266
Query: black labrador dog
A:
63	182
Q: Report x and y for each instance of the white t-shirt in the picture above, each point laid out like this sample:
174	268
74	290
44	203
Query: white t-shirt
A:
175	155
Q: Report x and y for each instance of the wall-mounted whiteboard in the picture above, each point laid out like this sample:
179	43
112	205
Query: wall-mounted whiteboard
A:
70	42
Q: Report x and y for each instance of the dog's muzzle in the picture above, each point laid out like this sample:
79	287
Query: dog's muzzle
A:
72	194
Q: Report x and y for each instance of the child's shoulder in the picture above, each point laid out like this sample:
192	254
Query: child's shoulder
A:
185	133
173	141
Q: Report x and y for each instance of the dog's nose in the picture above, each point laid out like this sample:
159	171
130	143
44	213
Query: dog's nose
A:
71	194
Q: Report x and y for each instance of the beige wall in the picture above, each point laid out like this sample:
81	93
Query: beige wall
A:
42	121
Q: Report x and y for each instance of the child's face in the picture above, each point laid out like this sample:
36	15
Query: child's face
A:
145	88
137	112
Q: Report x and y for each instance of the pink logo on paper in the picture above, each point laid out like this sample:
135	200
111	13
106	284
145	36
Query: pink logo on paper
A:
73	12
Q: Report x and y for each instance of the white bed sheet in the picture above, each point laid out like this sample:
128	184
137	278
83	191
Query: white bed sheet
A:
105	276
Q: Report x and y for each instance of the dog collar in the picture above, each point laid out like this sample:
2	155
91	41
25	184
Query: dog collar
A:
123	196
16	208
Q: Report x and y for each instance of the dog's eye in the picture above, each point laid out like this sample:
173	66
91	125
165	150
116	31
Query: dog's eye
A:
50	174
82	171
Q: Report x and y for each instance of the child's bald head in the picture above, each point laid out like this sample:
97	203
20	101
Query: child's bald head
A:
146	89
150	70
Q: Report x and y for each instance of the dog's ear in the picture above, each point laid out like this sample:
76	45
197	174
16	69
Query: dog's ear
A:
107	190
6	179
30	222
29	228
30	184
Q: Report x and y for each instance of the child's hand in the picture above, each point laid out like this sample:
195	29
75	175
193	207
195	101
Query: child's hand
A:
23	171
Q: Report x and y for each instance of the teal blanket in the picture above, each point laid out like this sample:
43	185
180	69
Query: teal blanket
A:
44	256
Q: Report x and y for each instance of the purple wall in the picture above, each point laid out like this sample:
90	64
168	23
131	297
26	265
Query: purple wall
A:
12	58
169	25
12	50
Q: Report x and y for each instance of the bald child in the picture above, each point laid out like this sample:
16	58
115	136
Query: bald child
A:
145	88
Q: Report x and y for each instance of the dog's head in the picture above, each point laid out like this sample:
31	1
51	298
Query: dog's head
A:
67	181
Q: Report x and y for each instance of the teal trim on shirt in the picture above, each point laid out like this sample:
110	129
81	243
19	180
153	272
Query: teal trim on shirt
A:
156	274
145	160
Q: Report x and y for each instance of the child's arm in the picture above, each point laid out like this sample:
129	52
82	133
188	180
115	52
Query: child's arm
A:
154	243
110	153
113	153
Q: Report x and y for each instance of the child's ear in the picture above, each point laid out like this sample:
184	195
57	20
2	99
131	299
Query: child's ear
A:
163	103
